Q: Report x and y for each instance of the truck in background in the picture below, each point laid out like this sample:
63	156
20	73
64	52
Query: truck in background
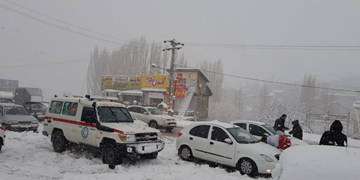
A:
32	100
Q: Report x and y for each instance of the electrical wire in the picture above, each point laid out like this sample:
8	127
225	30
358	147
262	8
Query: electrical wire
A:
43	64
59	20
57	26
66	26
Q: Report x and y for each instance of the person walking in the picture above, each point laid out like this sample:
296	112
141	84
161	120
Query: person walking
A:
280	123
296	131
334	137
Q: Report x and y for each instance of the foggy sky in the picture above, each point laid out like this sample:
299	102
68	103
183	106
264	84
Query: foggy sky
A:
331	22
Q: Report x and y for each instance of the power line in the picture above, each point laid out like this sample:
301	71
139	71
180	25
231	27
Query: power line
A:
279	46
108	38
55	25
42	64
58	19
281	82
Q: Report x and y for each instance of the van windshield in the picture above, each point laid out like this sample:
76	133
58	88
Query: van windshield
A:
114	114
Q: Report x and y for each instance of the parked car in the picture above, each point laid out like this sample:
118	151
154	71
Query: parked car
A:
2	137
261	129
37	109
14	117
153	116
228	145
186	116
104	126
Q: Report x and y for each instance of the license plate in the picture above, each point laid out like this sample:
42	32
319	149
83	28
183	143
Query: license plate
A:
151	147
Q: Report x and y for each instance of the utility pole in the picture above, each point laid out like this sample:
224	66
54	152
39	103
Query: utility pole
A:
174	45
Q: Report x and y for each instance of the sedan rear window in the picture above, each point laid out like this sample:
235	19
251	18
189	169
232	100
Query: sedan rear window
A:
200	131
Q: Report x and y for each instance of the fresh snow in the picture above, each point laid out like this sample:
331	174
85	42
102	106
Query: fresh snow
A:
318	163
29	156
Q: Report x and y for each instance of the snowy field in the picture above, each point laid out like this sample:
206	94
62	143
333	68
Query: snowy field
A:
318	162
30	156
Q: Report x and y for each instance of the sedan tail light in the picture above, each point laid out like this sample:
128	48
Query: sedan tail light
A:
179	134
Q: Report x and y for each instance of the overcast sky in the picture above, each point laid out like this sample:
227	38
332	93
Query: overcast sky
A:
311	22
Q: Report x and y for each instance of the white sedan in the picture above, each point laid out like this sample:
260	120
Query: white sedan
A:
153	117
226	144
261	129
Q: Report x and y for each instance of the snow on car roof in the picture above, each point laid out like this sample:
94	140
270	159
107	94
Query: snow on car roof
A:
215	122
10	105
6	94
88	102
249	122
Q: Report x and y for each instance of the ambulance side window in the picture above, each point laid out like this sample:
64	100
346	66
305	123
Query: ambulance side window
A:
56	107
88	115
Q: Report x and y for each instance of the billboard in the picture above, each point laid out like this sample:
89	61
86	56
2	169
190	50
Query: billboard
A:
157	81
180	86
106	82
142	82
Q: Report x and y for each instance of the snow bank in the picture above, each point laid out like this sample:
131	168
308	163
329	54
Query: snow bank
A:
314	139
318	162
29	156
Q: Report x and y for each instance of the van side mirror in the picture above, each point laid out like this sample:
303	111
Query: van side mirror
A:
228	141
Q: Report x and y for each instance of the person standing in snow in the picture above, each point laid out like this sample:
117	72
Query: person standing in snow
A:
334	137
296	131
280	123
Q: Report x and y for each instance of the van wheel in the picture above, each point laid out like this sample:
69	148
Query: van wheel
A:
59	141
185	153
248	167
110	155
153	124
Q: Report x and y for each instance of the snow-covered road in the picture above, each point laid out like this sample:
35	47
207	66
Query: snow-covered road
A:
30	156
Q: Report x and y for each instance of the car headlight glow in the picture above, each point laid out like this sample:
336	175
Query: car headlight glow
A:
267	158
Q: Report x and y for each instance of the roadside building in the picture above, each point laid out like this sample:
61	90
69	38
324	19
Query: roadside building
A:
192	92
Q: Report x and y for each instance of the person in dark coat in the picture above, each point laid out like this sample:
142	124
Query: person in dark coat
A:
296	131
280	123
334	137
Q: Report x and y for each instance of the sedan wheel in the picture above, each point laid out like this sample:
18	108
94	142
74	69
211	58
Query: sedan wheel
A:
248	167
185	153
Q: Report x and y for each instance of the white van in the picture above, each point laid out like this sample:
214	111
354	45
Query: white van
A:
107	126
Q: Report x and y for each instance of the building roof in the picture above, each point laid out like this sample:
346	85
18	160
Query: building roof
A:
193	70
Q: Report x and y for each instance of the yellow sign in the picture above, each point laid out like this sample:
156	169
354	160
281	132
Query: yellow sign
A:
106	82
157	81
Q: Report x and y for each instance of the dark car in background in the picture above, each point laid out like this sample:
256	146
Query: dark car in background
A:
37	109
14	117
